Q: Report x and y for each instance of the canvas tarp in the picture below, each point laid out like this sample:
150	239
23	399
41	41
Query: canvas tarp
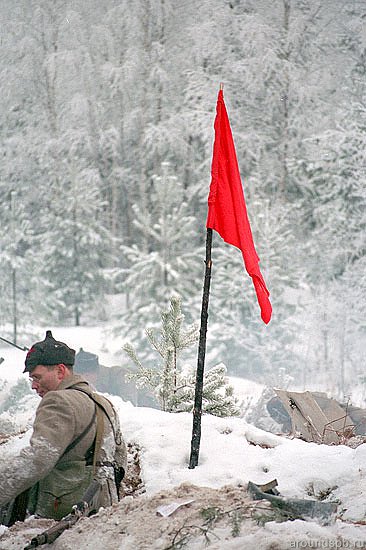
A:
316	417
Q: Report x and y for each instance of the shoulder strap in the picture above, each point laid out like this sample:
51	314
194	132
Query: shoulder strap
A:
100	406
98	437
98	401
83	433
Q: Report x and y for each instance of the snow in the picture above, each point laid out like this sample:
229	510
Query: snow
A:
232	452
228	456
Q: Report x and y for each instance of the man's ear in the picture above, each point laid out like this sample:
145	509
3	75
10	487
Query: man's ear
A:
62	371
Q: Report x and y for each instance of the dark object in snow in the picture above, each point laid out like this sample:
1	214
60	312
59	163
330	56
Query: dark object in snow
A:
84	508
22	348
279	414
268	488
2	360
293	508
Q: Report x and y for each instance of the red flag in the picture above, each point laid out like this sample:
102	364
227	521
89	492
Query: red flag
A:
227	213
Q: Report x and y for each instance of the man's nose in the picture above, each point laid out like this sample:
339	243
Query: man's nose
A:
35	385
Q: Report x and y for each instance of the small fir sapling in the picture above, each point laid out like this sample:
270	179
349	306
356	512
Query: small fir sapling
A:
172	385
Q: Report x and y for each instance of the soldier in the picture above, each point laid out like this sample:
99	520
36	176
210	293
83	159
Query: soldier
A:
76	438
111	380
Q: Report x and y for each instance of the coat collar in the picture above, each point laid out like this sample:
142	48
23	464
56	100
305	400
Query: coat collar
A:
74	380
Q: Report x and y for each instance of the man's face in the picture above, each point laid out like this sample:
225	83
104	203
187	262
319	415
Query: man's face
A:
46	379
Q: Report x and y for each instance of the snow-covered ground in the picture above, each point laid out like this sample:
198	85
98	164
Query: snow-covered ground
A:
232	453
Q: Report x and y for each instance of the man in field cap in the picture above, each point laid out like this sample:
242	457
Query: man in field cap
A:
76	438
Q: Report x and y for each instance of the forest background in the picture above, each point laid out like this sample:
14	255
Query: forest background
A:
106	132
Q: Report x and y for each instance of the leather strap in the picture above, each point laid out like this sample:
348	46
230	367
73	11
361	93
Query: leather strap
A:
83	433
98	437
117	436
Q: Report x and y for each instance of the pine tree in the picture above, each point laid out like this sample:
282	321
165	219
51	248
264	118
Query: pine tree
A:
173	386
117	88
74	257
17	269
334	210
337	275
165	258
173	340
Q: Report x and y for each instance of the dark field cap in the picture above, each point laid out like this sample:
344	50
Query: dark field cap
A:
86	361
49	352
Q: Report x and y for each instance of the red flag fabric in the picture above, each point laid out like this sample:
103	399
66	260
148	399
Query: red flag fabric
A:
227	213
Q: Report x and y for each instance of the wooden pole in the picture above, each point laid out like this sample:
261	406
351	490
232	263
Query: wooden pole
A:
197	411
14	273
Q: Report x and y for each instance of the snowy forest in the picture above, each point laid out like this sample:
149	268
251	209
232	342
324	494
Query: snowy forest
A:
106	133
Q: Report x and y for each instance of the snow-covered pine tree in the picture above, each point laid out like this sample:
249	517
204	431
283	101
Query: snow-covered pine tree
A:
334	206
16	270
337	275
76	246
173	386
137	82
218	395
164	258
164	380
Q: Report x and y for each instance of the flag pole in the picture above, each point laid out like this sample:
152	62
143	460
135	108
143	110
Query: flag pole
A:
227	214
197	411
